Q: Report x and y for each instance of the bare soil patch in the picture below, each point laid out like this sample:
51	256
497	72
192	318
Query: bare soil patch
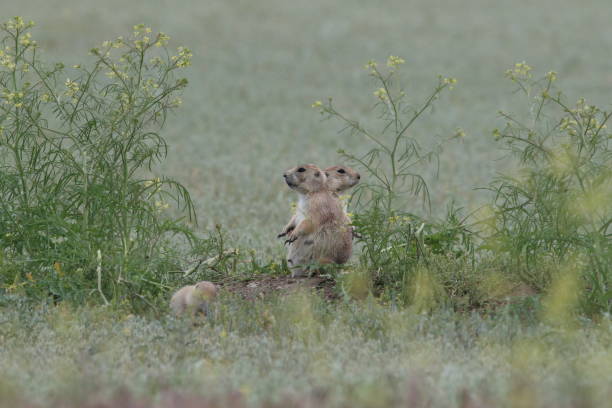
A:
274	285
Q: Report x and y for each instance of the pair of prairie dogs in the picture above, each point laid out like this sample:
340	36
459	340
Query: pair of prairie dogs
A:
320	231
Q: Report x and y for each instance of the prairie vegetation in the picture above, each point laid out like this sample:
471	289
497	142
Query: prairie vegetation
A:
483	260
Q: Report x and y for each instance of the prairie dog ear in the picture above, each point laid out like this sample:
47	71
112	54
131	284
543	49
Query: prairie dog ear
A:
317	174
327	174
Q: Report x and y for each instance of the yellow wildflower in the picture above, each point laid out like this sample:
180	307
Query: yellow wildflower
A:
394	61
450	82
520	71
137	29
25	39
381	93
162	39
118	43
183	59
161	205
371	65
73	87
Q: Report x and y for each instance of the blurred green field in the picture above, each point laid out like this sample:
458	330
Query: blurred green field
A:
300	352
258	66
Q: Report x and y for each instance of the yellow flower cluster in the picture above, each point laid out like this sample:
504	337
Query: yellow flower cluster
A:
125	99
371	65
162	39
587	116
317	104
142	43
450	82
497	134
149	86
520	71
72	87
161	205
394	61
141	29
155	61
567	123
183	59
17	23
116	71
551	76
459	133
26	40
13	98
149	183
7	60
381	93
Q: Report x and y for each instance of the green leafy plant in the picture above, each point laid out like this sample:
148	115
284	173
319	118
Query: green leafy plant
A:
396	157
555	209
78	206
395	241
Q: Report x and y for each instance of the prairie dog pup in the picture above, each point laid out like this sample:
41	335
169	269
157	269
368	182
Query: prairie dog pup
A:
193	298
323	235
339	178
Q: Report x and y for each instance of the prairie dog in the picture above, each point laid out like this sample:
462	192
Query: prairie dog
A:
339	178
193	298
324	234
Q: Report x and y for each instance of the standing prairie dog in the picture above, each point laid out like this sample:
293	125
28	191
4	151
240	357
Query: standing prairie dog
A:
324	234
194	298
339	178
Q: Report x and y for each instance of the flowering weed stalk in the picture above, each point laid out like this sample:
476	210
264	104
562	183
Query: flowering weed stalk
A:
395	241
76	145
395	155
555	210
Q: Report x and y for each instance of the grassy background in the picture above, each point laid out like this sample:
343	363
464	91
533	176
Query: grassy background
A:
246	117
258	66
304	353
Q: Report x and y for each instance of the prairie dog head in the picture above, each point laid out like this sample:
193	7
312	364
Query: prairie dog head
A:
306	178
340	178
205	290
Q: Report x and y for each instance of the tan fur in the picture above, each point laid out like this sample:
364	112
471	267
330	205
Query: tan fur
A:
193	298
339	178
323	236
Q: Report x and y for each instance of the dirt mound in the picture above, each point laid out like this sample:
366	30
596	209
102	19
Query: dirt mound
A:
268	285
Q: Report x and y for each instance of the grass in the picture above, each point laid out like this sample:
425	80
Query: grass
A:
299	348
246	117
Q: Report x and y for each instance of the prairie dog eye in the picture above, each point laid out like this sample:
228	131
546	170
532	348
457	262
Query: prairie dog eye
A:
341	171
301	170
